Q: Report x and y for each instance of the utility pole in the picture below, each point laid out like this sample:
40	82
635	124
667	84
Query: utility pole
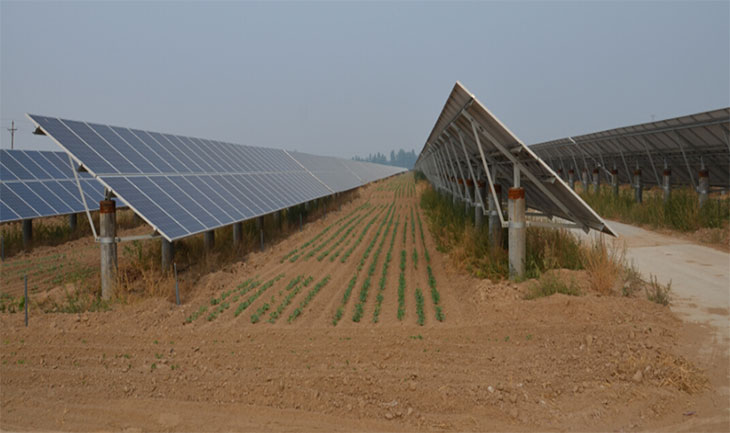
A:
12	130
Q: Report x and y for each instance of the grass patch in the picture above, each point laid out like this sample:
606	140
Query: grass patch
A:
472	250
550	284
681	212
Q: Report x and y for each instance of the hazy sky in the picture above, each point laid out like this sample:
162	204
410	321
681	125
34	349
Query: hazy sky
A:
353	78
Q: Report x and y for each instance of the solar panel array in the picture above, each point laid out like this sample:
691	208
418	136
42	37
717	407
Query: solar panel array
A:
36	184
445	159
185	185
684	144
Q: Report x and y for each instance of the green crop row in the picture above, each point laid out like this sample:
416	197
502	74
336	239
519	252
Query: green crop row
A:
220	301
419	307
383	276
359	239
308	298
242	287
196	314
371	270
287	300
221	308
353	280
342	238
245	304
255	317
402	285
356	220
320	234
413	226
423	238
401	296
405	230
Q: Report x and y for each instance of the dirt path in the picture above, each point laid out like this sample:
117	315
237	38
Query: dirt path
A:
700	275
700	296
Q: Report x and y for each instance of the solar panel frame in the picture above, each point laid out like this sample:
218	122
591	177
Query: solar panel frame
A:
462	116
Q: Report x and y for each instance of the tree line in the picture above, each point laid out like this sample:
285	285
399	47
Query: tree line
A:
397	159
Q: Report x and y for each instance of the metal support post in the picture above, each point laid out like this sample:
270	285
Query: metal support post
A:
481	190
237	233
703	187
177	286
571	179
27	233
469	197
584	180
167	253
209	240
614	181
300	222
277	219
495	224
667	183
72	222
108	247
638	186
596	181
517	232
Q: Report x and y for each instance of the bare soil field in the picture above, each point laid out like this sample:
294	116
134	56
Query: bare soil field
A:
314	334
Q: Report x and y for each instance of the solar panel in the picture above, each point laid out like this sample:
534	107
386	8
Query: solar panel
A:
185	185
684	144
36	184
453	152
343	174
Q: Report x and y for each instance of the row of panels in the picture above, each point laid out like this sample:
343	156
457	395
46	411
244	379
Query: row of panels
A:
686	145
467	137
36	184
181	206
35	165
36	199
185	185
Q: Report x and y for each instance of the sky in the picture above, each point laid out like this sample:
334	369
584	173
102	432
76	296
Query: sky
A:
347	79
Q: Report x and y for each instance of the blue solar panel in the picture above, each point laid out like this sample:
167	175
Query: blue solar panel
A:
186	185
40	184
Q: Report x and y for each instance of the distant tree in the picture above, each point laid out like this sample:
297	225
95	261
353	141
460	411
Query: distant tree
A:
401	158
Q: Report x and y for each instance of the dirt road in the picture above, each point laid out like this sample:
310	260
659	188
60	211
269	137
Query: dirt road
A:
700	275
700	296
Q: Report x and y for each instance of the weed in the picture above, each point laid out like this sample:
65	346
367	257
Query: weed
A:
656	292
